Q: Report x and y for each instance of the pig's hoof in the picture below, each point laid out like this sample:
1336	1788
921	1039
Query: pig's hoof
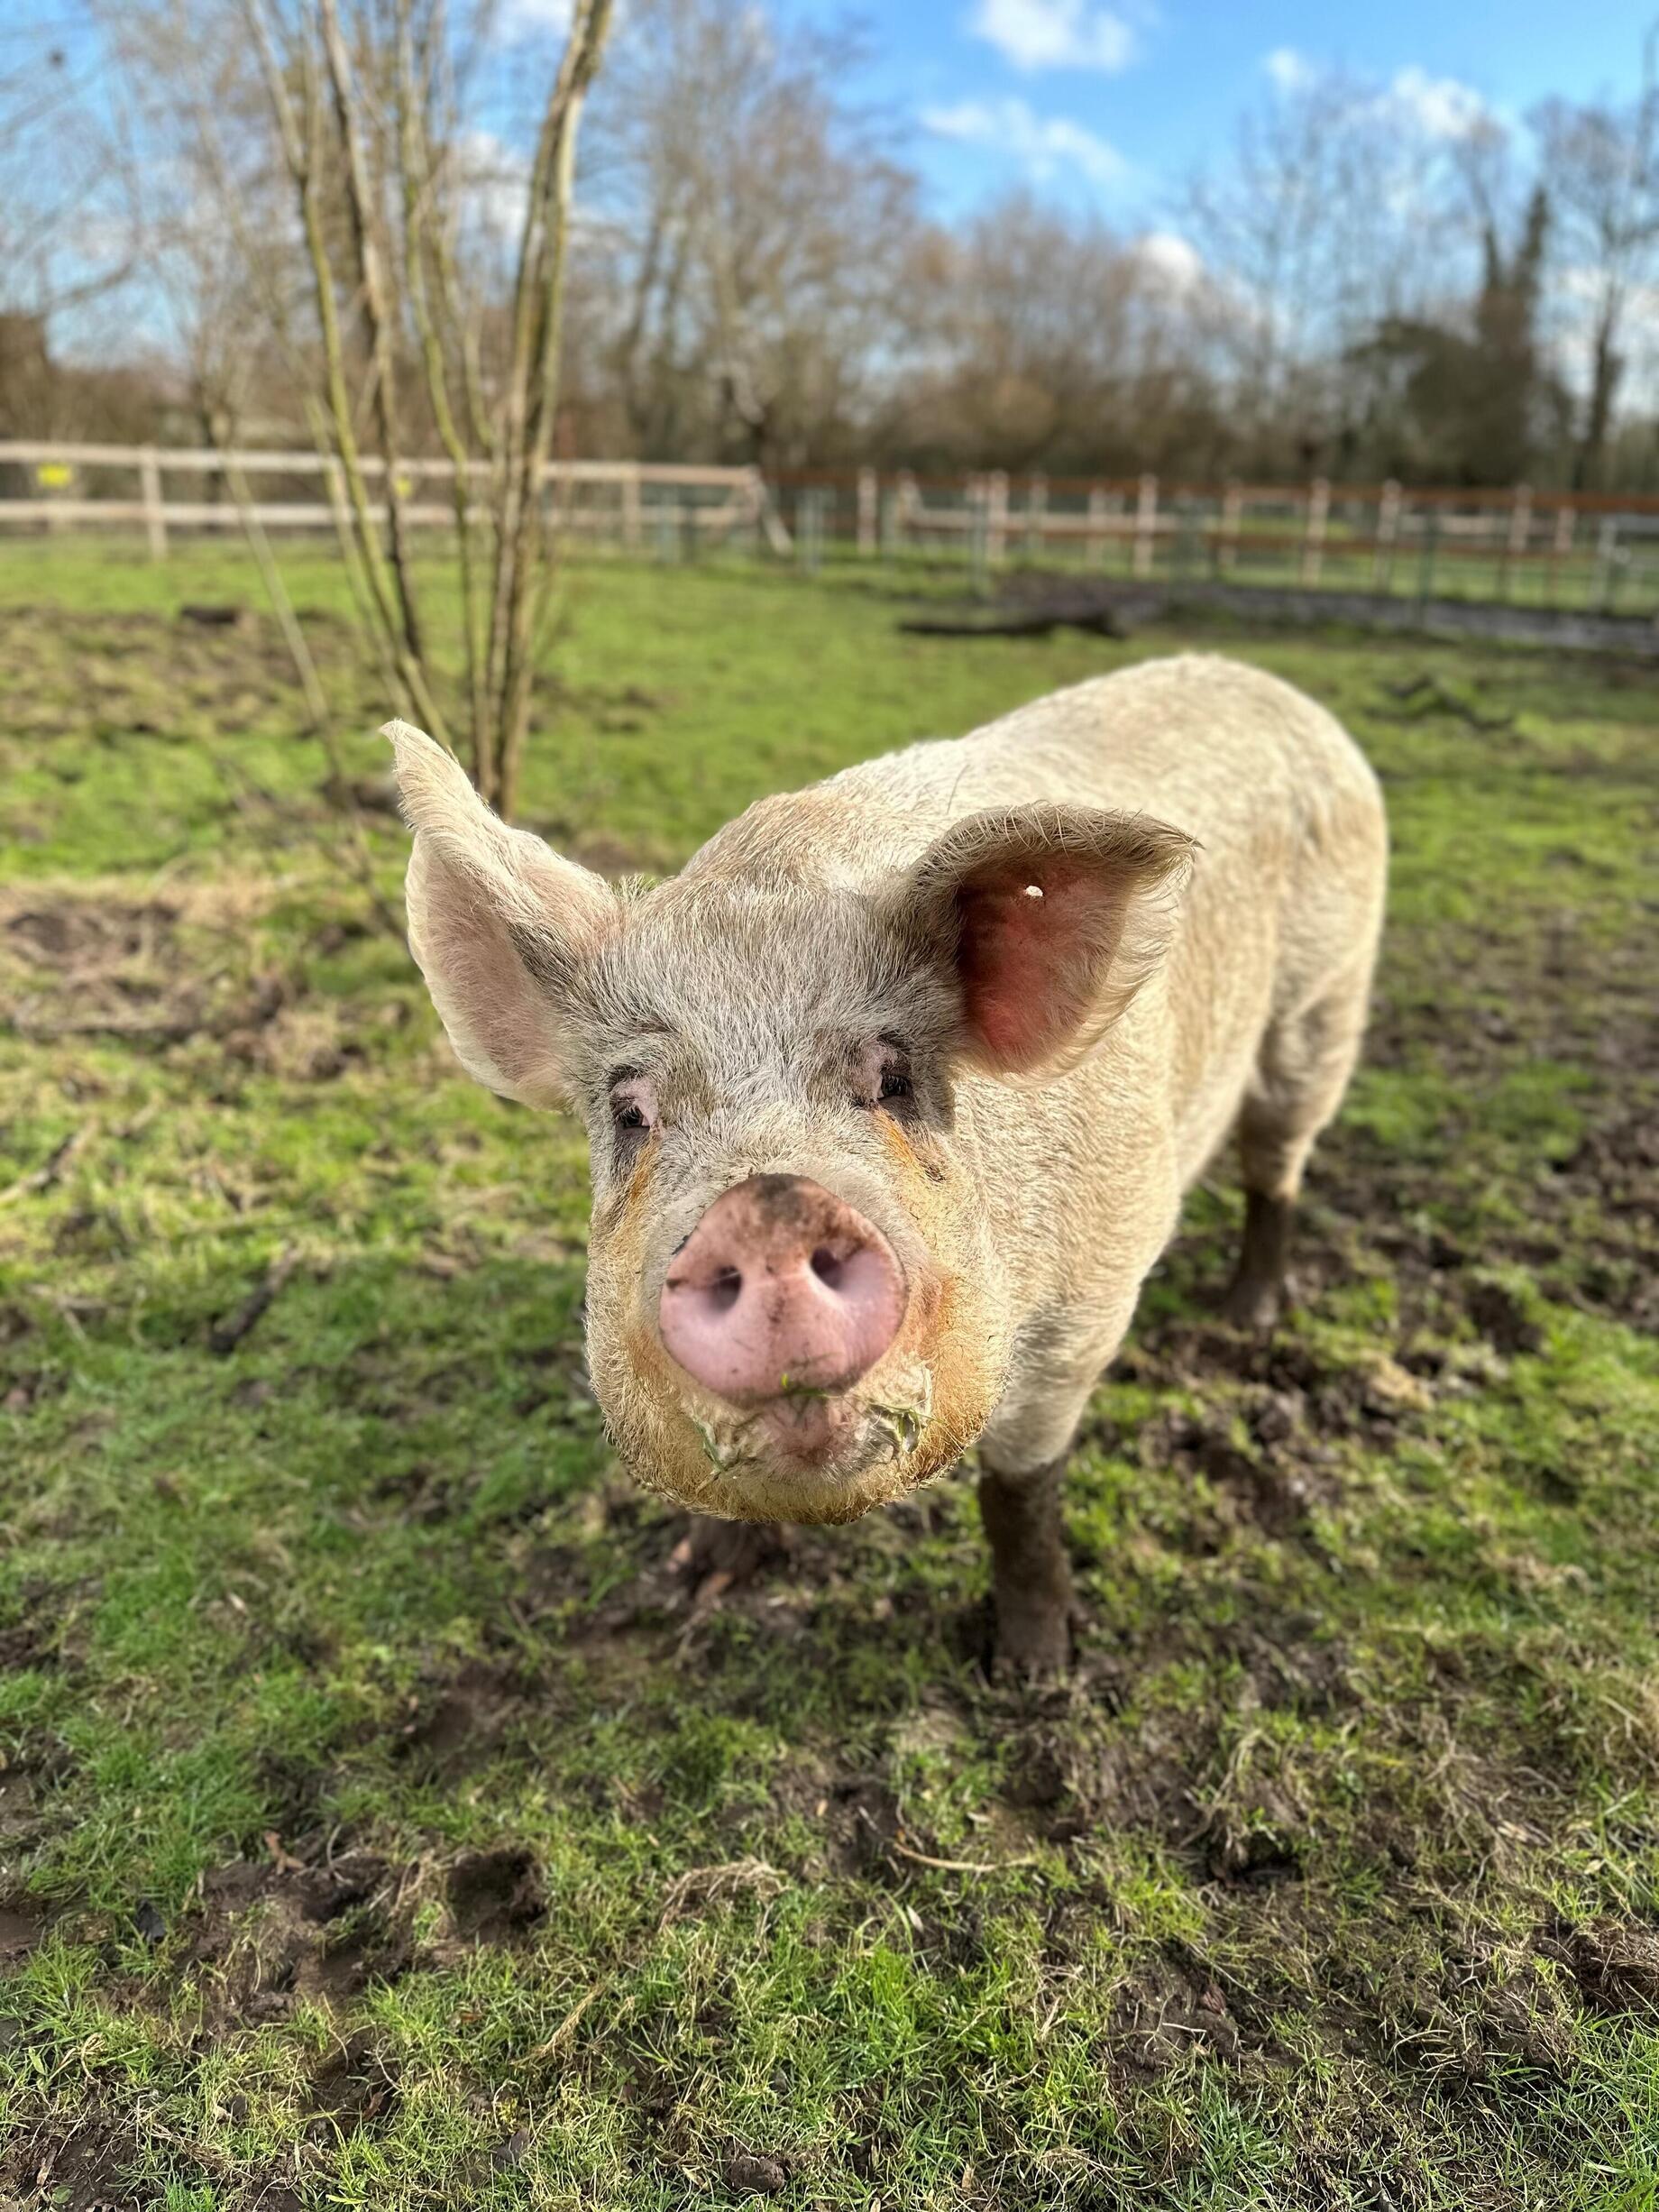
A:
1033	1643
714	1556
1254	1303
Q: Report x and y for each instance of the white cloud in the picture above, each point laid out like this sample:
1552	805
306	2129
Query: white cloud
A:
1412	100
1042	144
1579	291
1290	71
1438	107
495	182
1170	259
519	20
1054	34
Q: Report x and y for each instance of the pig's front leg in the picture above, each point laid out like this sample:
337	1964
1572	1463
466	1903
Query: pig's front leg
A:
1031	1580
714	1556
1024	1453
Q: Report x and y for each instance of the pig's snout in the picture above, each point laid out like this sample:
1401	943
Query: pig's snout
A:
781	1285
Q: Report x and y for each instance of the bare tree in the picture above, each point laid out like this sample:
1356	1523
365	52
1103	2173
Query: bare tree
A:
1034	338
1600	167
325	172
756	226
1315	224
70	236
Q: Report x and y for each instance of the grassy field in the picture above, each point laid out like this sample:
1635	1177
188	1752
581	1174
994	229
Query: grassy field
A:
381	1825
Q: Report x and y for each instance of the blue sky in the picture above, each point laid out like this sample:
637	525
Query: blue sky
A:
1110	104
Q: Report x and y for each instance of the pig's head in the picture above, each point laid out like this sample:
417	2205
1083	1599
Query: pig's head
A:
797	1304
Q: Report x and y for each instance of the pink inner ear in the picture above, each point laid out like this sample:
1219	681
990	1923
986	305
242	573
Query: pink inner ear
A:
1030	967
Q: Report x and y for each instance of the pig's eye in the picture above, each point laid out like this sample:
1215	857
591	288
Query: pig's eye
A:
633	1106
880	1075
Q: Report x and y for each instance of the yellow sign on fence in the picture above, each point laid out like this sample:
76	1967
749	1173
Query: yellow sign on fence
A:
54	476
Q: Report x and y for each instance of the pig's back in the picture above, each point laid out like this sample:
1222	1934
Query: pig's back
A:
1224	751
1236	757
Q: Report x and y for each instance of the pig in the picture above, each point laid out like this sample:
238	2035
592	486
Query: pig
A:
893	1093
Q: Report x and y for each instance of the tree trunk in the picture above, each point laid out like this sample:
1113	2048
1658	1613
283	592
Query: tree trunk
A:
1606	367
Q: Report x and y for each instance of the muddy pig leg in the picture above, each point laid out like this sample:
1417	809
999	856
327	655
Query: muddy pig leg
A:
1022	1456
714	1556
1030	1578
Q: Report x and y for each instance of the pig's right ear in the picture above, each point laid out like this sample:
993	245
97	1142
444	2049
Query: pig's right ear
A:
500	924
1049	919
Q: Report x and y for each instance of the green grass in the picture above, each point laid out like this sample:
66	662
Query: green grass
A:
377	1825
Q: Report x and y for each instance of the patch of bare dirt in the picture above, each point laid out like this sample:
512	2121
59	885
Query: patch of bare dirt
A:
1279	1479
1070	1778
23	1923
89	963
77	2169
352	2092
458	1724
1475	2014
1165	2012
268	1935
496	1897
859	1820
1614	1964
27	1644
751	2173
71	669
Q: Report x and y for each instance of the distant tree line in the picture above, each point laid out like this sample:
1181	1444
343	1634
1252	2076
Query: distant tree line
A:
1351	288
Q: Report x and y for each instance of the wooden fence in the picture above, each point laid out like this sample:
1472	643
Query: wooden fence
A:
1578	549
1570	549
52	487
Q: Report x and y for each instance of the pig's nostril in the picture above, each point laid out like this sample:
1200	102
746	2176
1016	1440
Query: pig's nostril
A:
827	1269
726	1289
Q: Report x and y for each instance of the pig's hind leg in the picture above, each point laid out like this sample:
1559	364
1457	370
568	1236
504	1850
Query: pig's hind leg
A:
1301	1072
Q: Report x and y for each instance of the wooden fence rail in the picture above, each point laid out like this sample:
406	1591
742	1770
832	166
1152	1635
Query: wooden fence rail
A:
56	493
1580	549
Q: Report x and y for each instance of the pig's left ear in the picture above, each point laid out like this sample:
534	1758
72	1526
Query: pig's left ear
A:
500	924
1052	918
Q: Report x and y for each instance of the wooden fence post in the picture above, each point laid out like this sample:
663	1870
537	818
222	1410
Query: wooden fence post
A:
1516	535
1146	525
908	499
1036	513
869	494
57	479
1561	548
155	514
1431	544
1313	535
1232	517
631	507
811	504
997	515
1094	542
977	513
1606	588
1388	537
